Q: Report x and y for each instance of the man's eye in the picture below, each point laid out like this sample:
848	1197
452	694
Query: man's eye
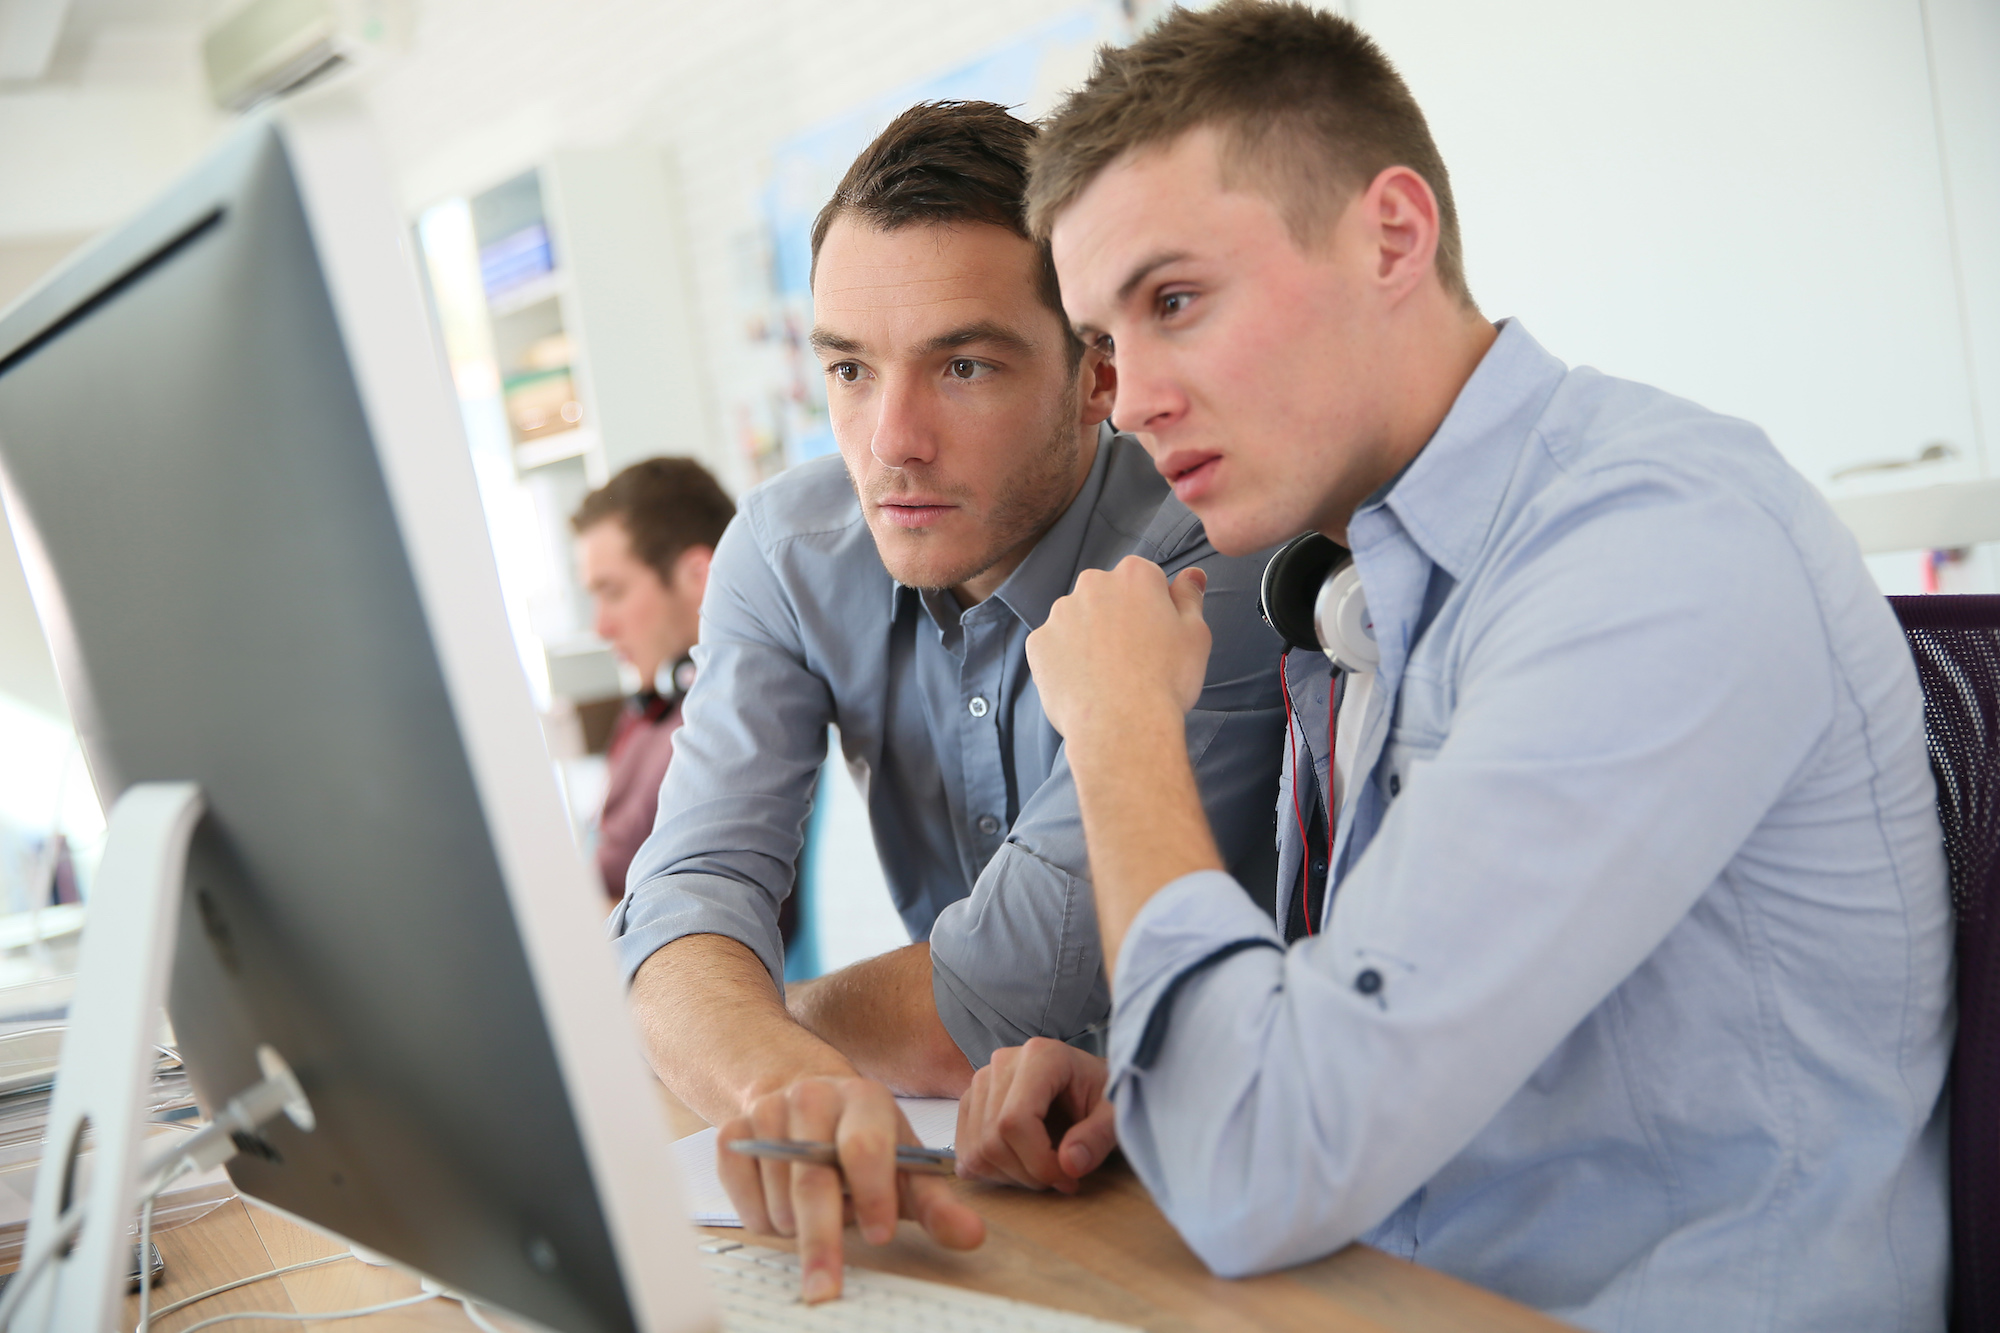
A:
1174	302
844	371
965	368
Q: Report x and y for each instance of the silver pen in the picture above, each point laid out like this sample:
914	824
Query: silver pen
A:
922	1161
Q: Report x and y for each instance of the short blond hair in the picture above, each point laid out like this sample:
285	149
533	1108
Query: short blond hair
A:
1309	109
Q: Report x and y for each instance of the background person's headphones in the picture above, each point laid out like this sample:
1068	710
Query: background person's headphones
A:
1312	597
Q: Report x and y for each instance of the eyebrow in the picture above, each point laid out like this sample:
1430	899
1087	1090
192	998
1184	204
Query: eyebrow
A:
826	340
1145	269
984	331
1089	333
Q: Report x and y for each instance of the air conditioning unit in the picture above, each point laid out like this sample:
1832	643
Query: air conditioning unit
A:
267	47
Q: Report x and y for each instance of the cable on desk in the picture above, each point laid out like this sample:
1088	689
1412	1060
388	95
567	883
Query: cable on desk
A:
313	1316
67	1227
200	1296
145	1266
479	1321
246	1113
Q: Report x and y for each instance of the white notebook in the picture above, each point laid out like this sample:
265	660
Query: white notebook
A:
934	1118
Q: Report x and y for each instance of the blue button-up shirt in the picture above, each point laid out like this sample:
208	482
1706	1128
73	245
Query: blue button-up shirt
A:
1632	1000
972	804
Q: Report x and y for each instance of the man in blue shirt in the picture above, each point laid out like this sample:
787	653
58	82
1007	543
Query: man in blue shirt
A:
890	592
1626	990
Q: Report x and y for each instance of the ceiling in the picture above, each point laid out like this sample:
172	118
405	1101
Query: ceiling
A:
82	22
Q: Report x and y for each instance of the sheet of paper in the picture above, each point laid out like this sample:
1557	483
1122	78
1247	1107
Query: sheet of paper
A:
934	1118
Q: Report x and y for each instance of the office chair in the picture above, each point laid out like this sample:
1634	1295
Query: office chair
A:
1956	643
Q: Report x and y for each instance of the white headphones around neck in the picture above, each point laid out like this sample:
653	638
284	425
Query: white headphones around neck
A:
1312	597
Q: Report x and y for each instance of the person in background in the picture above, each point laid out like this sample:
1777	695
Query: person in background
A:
645	539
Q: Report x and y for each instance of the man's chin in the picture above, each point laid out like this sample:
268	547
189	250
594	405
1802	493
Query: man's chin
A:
918	564
1235	528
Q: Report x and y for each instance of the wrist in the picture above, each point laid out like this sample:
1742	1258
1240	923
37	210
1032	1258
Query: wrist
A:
831	1064
1119	723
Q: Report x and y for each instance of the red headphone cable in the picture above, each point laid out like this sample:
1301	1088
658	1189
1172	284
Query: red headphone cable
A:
1328	795
1298	812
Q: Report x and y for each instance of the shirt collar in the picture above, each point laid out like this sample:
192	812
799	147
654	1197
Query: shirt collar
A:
1050	568
1449	495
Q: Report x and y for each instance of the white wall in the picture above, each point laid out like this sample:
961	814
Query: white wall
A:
1742	203
80	151
493	86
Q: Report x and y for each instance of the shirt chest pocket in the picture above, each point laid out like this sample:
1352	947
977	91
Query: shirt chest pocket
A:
1423	716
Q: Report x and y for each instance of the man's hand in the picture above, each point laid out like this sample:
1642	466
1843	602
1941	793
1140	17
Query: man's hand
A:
1037	1116
862	1121
1119	662
1122	644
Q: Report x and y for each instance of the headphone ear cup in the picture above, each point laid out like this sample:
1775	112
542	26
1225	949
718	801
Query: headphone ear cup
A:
1291	585
1340	618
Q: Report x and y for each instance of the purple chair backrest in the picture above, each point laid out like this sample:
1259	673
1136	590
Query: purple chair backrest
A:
1956	642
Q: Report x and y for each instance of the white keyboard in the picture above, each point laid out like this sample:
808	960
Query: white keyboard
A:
758	1290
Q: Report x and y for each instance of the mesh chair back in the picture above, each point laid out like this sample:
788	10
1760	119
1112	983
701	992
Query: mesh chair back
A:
1956	642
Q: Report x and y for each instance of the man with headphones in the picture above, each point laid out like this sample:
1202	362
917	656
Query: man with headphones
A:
1613	973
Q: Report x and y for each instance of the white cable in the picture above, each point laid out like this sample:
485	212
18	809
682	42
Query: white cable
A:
479	1321
213	1144
67	1227
200	1296
311	1316
145	1268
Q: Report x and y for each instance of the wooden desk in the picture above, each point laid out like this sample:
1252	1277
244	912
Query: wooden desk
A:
1107	1252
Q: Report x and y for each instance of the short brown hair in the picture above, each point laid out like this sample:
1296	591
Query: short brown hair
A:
947	162
665	505
1304	100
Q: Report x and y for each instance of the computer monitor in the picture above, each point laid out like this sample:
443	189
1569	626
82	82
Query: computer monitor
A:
240	487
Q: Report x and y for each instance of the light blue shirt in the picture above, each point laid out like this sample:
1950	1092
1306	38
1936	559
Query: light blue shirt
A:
1633	998
969	796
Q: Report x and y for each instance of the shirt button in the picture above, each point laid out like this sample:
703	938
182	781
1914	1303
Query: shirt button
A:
1395	785
1368	982
988	825
978	706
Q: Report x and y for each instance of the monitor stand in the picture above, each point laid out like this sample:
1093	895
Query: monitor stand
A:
107	1061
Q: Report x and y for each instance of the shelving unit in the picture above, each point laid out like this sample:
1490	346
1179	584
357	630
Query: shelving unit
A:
532	347
564	307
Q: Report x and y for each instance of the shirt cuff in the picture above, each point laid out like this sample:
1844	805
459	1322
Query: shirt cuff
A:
1193	923
661	911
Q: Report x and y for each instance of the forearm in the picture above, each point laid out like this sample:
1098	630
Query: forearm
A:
880	1014
715	1029
1142	812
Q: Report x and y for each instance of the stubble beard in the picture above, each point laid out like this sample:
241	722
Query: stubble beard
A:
1033	501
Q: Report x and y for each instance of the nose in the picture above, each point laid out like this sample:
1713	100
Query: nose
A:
905	433
1149	397
602	624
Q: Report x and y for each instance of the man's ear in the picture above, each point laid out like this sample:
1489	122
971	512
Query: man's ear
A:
691	570
1400	217
1100	386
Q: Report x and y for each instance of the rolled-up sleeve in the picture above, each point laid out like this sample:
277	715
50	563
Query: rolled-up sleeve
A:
725	848
1641	682
1020	957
